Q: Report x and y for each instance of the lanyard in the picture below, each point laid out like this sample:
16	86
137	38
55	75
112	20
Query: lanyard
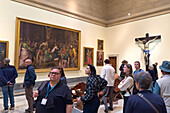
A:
48	91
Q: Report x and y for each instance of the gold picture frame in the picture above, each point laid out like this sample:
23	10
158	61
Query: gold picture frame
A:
46	45
100	58
100	44
88	56
4	47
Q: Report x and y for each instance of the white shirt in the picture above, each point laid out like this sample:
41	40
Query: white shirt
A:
108	73
126	83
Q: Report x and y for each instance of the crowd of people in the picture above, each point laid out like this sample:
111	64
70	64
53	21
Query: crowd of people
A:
143	91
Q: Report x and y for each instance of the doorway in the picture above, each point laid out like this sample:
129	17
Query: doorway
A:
113	62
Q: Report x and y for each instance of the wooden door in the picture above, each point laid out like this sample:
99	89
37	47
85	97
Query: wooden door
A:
113	61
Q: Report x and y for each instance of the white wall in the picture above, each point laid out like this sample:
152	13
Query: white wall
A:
121	40
9	10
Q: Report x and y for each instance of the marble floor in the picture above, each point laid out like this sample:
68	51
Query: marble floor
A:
21	105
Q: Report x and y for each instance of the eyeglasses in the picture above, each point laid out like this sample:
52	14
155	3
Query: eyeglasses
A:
55	73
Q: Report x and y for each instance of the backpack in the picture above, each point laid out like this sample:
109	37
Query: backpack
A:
102	83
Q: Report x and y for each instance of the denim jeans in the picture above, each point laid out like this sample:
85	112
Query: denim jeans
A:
8	91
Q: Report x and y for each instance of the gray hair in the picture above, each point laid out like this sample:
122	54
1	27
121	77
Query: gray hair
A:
144	79
6	60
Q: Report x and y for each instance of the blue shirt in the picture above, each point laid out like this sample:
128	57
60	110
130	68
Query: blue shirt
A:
140	70
30	76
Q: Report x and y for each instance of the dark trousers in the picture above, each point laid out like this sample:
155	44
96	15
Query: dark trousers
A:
92	105
108	92
125	101
29	97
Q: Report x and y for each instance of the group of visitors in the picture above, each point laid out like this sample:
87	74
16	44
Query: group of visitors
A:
54	94
135	89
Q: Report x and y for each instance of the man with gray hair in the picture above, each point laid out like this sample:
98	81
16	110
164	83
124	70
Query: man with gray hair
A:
8	75
144	101
29	82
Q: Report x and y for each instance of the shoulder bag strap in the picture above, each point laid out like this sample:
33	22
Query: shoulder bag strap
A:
128	89
43	85
139	94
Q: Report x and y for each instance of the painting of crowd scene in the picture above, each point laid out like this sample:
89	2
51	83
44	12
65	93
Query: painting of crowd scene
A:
48	45
88	56
3	51
100	58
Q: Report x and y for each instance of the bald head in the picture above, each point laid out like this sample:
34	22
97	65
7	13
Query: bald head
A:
28	62
6	61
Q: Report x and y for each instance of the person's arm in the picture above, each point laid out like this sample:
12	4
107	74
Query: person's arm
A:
156	89
125	84
90	91
15	75
103	73
69	108
2	77
36	94
32	74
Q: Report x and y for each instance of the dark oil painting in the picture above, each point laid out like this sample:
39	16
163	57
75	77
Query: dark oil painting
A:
47	45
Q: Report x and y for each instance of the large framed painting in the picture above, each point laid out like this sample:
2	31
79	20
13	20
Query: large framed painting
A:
100	44
100	58
3	50
46	45
88	56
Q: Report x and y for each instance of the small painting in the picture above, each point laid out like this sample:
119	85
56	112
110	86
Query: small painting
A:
100	58
100	44
88	56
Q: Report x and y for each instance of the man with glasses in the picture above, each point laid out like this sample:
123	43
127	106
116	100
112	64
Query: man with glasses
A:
54	96
29	82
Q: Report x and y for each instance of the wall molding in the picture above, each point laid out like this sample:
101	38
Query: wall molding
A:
90	19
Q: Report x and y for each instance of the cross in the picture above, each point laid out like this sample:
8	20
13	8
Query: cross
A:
146	41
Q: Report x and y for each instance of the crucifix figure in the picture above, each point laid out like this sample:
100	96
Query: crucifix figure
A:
144	45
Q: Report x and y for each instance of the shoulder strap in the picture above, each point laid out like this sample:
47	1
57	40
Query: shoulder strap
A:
128	89
43	85
139	94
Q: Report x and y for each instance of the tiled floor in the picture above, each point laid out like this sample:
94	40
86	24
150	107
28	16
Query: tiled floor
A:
21	105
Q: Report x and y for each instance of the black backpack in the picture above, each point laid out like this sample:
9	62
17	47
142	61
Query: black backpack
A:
102	83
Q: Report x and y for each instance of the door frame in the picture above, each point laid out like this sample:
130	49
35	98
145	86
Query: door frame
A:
117	66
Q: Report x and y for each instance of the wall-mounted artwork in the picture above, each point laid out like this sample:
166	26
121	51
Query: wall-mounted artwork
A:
46	45
3	50
88	56
100	58
100	44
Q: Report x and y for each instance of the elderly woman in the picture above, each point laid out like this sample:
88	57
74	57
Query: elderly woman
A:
126	85
145	101
90	99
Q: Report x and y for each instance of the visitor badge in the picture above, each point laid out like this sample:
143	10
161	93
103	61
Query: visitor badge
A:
44	101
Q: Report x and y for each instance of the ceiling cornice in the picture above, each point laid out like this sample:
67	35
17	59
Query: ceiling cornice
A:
91	19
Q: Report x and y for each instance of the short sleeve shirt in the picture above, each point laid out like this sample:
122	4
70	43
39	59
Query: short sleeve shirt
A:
57	99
